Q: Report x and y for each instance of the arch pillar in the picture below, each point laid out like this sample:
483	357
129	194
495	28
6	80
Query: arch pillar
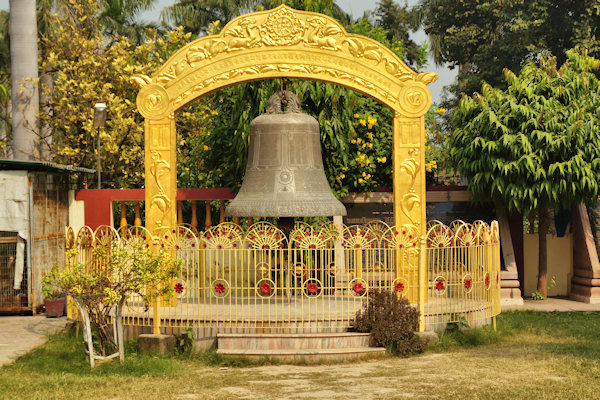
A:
161	173
408	160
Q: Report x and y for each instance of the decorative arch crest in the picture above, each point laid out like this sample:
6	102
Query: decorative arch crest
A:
284	42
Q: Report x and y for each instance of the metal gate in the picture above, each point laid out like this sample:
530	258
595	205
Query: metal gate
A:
11	300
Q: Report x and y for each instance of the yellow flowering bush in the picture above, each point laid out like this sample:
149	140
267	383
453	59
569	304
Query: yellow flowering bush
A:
114	272
370	147
88	67
436	149
431	166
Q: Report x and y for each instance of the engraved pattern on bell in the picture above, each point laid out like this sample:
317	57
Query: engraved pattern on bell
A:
284	175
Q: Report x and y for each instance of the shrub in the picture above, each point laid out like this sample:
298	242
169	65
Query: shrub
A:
184	341
392	322
114	271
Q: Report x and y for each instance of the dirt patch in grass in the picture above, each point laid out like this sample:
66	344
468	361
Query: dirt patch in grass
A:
533	355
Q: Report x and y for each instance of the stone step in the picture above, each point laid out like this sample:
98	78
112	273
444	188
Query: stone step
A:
307	355
303	341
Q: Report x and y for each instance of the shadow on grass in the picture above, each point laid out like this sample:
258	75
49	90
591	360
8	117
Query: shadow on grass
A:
65	354
453	339
572	334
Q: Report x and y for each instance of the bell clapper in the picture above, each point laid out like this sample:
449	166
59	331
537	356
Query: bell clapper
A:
284	84
286	225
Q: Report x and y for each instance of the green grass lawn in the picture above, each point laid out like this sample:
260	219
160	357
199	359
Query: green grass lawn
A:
533	355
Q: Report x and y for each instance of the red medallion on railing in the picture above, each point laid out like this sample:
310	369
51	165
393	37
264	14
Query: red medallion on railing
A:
399	287
358	287
312	288
440	285
265	288
179	288
467	283
220	288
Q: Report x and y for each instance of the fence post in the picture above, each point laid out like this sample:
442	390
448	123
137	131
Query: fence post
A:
221	211
422	281
123	221
137	220
207	219
194	222
179	212
156	317
158	300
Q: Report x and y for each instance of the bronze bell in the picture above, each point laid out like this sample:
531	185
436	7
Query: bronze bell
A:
284	175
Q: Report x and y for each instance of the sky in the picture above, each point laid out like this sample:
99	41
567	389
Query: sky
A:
356	8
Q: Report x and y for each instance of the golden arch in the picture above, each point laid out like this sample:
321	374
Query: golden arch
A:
284	42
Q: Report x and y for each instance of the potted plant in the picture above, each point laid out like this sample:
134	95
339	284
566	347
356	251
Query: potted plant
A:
54	297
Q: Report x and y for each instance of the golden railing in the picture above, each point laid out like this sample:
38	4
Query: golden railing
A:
318	277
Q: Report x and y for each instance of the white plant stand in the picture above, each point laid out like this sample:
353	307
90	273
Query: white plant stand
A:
117	331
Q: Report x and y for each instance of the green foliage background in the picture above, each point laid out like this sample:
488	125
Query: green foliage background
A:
482	37
537	143
90	62
355	130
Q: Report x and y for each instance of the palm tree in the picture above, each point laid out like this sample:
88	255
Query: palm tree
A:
4	83
327	7
120	17
196	15
4	47
24	68
435	40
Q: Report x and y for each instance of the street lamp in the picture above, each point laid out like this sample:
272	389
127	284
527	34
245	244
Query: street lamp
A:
99	121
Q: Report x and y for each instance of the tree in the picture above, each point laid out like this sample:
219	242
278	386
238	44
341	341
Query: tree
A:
398	21
119	17
196	15
4	47
327	7
87	68
111	273
536	145
5	150
481	37
24	67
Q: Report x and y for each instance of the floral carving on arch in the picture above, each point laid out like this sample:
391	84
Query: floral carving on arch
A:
277	43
